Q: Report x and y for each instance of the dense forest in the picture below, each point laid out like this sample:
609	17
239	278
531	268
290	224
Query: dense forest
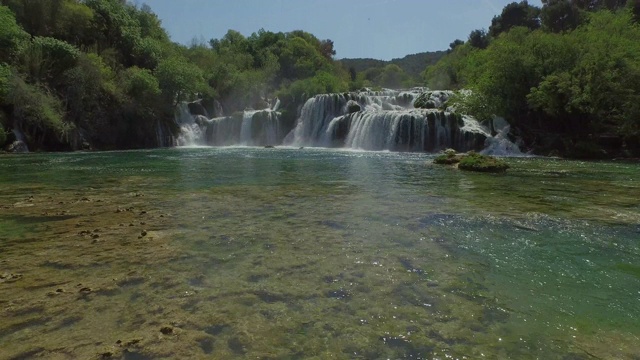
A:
104	74
566	76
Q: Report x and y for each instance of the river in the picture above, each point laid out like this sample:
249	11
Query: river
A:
315	253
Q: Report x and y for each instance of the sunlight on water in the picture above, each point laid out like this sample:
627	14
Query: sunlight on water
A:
315	253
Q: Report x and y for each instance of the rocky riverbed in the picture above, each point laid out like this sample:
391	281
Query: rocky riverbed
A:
279	254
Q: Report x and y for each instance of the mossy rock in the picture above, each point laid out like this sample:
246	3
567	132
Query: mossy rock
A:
424	101
447	159
473	161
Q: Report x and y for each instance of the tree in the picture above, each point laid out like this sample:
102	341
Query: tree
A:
45	59
515	14
179	80
326	49
559	15
455	44
39	114
479	39
12	37
392	76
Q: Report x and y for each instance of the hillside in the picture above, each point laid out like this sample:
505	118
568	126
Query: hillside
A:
412	65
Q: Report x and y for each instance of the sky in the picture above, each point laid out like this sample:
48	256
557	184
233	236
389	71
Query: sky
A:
378	29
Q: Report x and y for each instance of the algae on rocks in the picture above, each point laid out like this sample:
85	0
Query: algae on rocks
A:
472	161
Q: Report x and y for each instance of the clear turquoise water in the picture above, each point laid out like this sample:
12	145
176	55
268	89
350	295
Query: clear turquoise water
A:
287	253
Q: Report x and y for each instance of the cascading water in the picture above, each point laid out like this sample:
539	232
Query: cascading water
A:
191	133
248	128
385	120
366	120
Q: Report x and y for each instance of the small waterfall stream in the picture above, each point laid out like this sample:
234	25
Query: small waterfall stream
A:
247	128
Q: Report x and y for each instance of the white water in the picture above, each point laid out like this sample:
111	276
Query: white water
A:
366	120
500	145
254	128
19	137
387	120
246	133
191	133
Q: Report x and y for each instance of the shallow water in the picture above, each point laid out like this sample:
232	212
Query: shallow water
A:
286	253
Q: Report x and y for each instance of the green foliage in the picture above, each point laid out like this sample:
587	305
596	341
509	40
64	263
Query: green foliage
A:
455	43
90	90
106	72
600	85
74	24
473	161
179	80
446	74
5	82
448	158
141	85
38	113
578	76
472	103
515	15
45	59
12	37
367	72
479	39
393	77
322	83
560	15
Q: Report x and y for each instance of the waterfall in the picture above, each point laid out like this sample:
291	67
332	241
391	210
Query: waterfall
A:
191	132
20	144
248	128
385	120
276	106
366	120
